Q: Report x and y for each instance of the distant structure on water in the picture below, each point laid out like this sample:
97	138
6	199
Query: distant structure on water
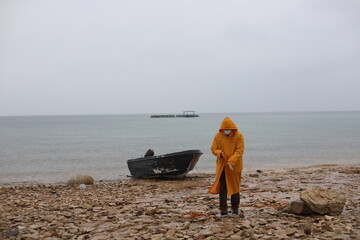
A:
185	114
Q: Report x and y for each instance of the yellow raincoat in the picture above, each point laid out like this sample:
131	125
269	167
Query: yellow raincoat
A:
233	148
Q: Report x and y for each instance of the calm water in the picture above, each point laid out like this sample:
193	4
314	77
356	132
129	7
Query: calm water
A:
50	149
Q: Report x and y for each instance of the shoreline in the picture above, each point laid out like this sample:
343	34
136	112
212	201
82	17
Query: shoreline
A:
194	171
180	209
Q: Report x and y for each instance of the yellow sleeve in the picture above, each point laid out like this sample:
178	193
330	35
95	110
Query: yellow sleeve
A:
238	151
215	147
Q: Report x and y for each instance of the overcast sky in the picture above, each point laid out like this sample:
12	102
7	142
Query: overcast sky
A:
119	57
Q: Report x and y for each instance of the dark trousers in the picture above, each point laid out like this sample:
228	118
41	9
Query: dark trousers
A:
235	198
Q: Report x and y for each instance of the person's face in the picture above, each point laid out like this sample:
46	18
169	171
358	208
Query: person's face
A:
227	132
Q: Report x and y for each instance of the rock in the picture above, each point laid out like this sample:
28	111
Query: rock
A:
12	233
307	230
329	218
100	237
241	214
30	236
285	208
146	236
157	236
323	201
262	222
96	209
81	179
47	234
299	207
290	231
107	227
151	211
67	214
86	206
274	179
327	227
256	175
281	236
245	225
206	232
234	236
170	233
36	226
50	218
186	225
82	186
88	227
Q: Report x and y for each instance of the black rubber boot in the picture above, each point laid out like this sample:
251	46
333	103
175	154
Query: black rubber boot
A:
223	212
235	211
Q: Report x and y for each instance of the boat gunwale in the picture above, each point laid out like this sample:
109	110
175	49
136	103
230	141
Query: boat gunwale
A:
196	151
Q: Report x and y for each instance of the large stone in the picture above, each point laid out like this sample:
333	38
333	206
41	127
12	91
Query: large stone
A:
81	179
299	207
323	201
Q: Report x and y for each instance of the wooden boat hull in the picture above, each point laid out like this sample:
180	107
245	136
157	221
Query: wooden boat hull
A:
172	165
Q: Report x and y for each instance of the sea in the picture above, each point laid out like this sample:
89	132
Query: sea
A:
52	149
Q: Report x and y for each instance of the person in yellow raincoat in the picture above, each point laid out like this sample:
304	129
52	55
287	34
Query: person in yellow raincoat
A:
228	147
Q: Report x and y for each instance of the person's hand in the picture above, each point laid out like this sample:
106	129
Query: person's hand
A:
230	166
222	155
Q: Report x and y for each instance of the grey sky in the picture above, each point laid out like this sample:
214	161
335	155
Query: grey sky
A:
106	57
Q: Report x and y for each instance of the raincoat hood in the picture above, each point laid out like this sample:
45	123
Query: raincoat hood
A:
227	123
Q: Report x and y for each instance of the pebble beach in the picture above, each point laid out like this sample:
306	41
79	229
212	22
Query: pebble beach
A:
180	209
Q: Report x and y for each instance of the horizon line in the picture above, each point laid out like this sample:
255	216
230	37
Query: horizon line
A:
112	114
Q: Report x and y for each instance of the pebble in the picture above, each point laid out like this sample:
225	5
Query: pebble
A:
262	222
170	233
186	225
290	231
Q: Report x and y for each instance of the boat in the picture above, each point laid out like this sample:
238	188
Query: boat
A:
186	114
172	165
